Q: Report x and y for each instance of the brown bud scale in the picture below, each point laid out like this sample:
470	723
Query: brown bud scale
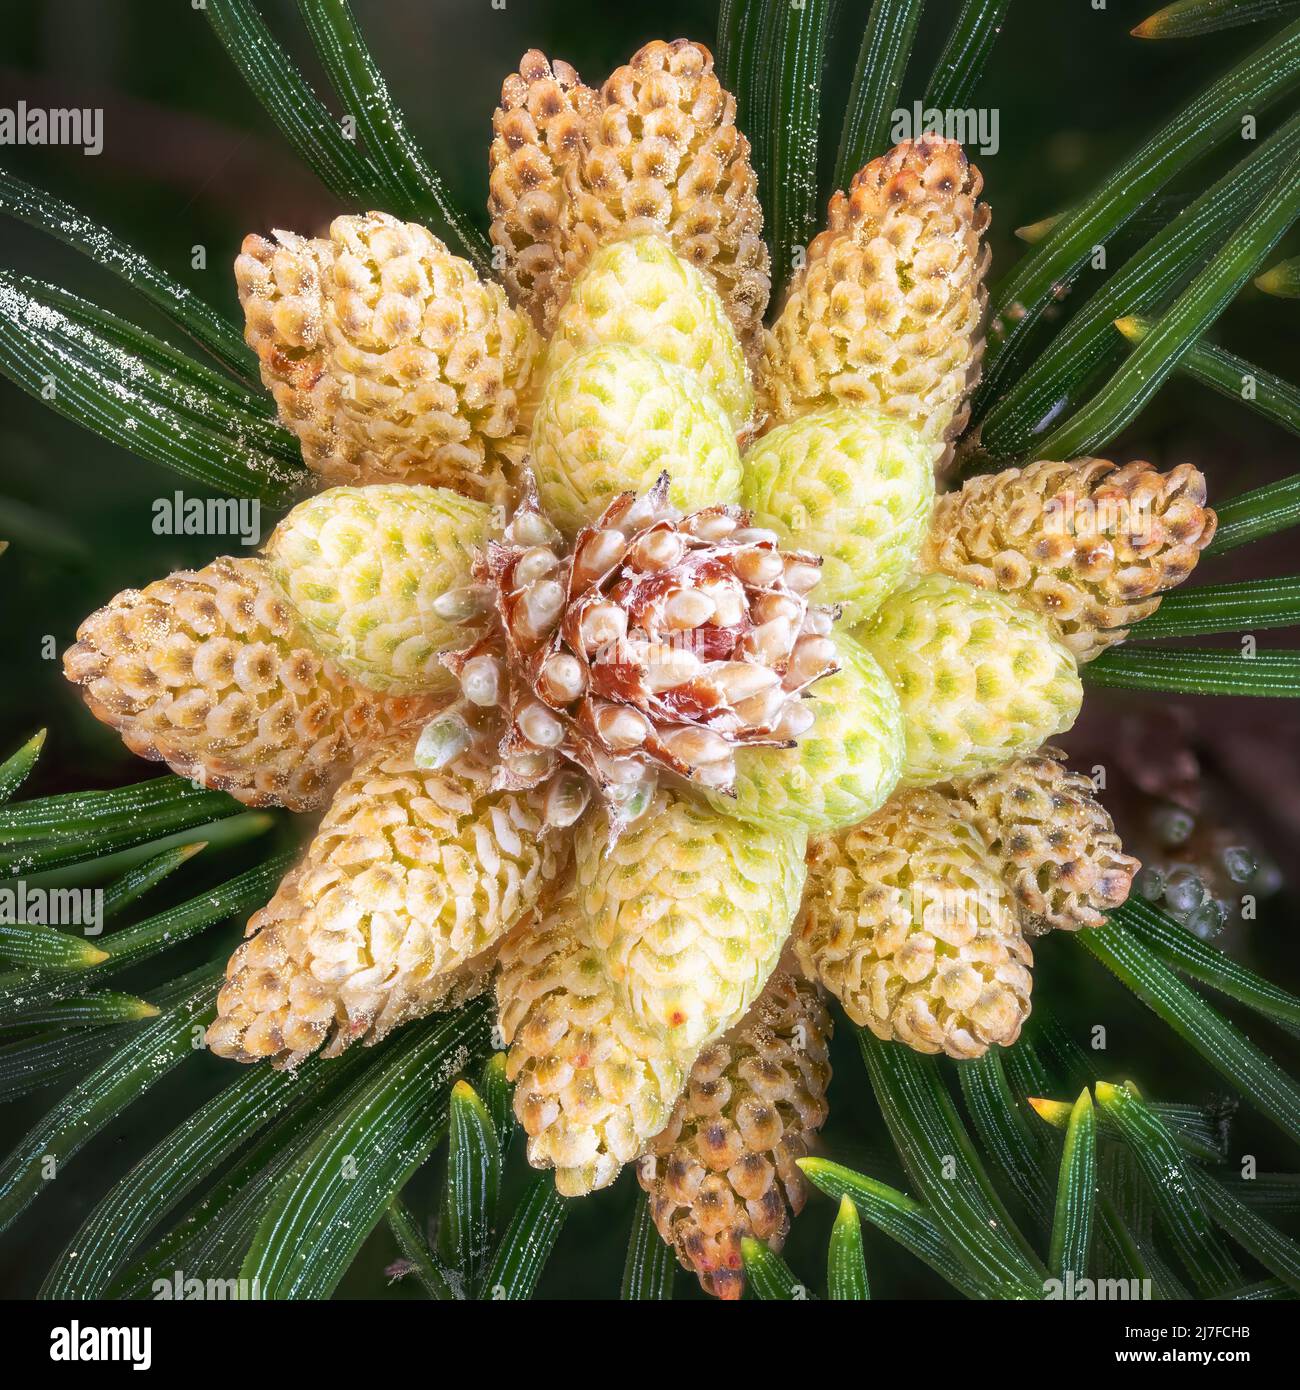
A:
659	642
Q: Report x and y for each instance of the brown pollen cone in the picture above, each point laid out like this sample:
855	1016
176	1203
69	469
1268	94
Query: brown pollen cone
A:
888	312
1088	545
396	909
538	130
210	672
388	357
725	1167
1060	855
907	921
655	150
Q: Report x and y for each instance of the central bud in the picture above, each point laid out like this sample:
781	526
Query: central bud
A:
660	642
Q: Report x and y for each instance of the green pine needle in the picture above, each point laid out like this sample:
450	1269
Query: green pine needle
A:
213	1232
1247	606
1256	514
473	1184
651	1265
130	401
135	870
172	1170
1187	18
346	1177
1277	1252
528	1242
1177	248
180	304
792	202
44	948
303	119
495	1089
15	769
1230	376
82	1011
1173	1189
877	80
945	1169
405	183
846	1266
1076	1194
767	1276
149	938
136	881
1177	330
122	1078
1189	671
1258	1079
75	826
754	30
1192	1127
1179	948
1019	300
898	1216
1017	1149
428	1270
957	73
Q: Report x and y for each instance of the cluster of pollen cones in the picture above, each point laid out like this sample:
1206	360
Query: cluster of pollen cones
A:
636	667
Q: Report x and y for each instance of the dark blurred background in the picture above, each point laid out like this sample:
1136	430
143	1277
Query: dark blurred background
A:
190	159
